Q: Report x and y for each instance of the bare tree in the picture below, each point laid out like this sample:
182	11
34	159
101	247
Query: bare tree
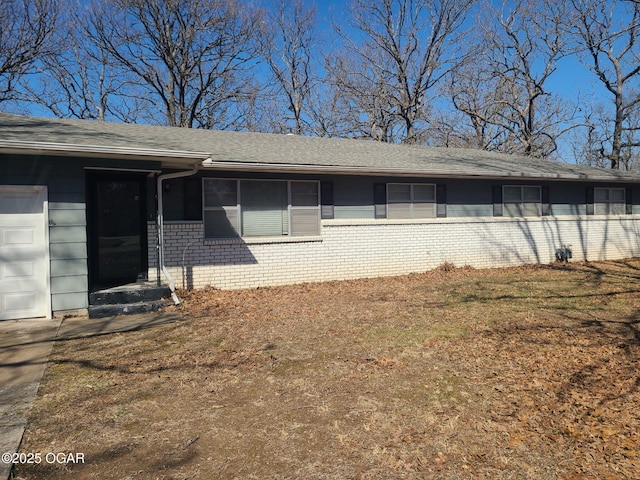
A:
587	144
287	46
78	80
503	92
404	47
363	104
189	59
474	94
26	28
607	32
329	115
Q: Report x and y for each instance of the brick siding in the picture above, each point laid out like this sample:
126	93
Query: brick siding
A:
373	248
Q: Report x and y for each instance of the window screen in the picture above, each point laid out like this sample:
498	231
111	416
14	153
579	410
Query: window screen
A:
411	200
220	208
522	201
610	201
305	208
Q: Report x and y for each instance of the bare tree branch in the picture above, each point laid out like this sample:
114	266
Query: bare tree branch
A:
189	59
287	45
26	29
607	34
78	80
502	88
405	48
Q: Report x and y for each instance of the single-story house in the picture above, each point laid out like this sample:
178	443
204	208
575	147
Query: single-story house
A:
86	205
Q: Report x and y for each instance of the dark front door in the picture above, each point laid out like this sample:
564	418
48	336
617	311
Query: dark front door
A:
116	221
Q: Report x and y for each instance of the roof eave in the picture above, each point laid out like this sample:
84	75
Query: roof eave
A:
169	158
355	170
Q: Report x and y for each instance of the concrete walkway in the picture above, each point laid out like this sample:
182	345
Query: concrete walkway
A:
25	346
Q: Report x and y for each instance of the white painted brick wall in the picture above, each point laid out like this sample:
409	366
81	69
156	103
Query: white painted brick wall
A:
372	248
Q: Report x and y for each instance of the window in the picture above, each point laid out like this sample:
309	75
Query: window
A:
522	201
221	208
411	200
260	208
264	209
610	201
305	209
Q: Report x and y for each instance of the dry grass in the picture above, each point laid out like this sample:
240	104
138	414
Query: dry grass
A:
529	372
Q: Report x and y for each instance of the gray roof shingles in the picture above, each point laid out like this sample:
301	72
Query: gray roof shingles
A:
288	151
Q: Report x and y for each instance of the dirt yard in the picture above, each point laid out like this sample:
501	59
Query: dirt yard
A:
454	374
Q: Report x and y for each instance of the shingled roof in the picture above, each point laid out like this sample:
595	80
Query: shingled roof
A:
272	152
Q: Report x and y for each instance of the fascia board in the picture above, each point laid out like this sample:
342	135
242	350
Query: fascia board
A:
101	151
346	170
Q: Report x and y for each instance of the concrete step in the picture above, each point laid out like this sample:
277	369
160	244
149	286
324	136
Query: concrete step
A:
131	293
111	310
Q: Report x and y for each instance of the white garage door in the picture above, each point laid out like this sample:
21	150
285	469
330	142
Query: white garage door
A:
23	253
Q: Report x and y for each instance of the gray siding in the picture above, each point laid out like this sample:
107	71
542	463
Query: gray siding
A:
469	198
73	266
173	199
568	199
353	195
65	181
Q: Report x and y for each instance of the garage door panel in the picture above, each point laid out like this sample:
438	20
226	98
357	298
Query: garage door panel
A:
22	253
21	257
13	201
16	276
15	236
18	302
18	270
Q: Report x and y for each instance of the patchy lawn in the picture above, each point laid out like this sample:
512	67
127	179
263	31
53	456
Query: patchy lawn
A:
529	372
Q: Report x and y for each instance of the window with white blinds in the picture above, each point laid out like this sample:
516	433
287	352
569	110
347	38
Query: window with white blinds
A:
610	201
260	208
522	201
411	200
305	208
263	208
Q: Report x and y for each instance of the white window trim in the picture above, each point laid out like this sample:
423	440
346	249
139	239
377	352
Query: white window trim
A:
239	206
